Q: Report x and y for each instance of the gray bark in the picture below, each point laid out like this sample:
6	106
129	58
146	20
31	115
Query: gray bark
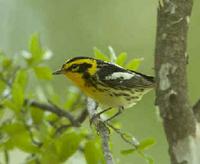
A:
179	122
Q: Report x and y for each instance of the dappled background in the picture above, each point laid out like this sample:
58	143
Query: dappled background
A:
74	27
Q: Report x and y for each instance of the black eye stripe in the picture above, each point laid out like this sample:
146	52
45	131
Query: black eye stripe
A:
80	67
84	67
74	66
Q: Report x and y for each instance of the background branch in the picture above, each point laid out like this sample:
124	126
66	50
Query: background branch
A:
59	112
171	89
101	129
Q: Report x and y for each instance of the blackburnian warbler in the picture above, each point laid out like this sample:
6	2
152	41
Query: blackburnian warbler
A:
108	84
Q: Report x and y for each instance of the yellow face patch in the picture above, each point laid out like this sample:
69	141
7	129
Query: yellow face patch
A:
91	70
77	77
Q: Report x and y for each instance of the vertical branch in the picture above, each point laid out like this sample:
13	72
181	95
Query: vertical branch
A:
171	88
101	129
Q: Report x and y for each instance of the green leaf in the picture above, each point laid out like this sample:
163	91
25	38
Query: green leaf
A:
37	115
67	144
92	152
41	131
99	55
17	95
21	78
121	58
43	72
35	48
134	64
9	104
18	89
145	144
19	137
24	142
13	129
51	117
128	151
49	153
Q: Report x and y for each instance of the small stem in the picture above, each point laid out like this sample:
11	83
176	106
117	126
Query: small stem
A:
101	129
127	138
6	157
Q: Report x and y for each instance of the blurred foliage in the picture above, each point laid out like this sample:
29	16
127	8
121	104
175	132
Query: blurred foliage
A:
25	77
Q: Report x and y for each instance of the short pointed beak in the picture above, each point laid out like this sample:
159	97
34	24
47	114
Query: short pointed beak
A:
58	72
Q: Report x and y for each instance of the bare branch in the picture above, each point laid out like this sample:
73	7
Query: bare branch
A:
102	129
80	119
53	109
83	115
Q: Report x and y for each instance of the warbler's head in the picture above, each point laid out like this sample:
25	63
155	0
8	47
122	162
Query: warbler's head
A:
77	68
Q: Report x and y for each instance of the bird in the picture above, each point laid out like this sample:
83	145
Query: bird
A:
109	84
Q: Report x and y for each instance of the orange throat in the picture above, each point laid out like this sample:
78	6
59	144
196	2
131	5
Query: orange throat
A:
77	79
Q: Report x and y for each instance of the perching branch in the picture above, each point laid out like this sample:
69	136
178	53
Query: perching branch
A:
171	88
101	129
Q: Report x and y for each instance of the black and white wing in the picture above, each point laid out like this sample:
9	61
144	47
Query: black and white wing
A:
118	77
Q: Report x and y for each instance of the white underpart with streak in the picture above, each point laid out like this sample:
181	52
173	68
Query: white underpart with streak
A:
122	75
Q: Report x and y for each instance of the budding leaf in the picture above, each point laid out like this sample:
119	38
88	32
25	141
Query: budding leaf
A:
145	144
35	49
121	58
134	64
99	55
17	95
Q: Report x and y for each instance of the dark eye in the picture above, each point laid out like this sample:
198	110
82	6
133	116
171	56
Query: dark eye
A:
74	67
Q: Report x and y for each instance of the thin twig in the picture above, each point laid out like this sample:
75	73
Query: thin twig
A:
53	109
80	119
126	137
83	115
101	129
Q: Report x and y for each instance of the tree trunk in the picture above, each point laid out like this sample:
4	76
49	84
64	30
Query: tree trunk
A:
179	121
